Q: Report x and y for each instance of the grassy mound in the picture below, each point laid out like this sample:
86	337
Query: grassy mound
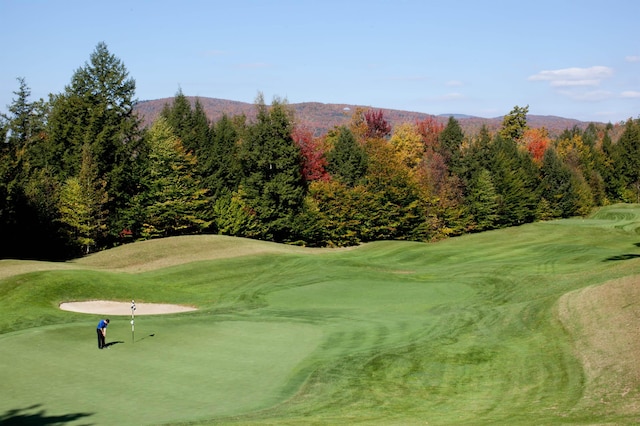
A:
528	325
162	253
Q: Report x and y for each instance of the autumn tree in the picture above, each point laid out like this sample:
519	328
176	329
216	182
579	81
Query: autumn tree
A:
75	214
408	144
314	163
377	125
536	142
430	129
81	201
443	193
396	192
440	179
358	125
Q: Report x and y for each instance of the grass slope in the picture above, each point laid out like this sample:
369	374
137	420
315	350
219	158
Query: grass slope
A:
499	327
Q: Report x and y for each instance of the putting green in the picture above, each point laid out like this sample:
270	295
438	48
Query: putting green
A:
175	366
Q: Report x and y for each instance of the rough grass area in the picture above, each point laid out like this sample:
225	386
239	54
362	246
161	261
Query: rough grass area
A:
530	325
604	322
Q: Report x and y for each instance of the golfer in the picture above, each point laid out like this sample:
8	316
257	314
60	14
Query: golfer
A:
102	332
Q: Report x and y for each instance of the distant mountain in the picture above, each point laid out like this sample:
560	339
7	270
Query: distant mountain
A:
323	117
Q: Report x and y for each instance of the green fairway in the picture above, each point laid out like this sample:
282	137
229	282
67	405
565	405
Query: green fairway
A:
530	325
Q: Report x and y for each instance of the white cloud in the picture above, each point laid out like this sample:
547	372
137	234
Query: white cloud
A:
630	94
632	58
590	96
572	77
454	83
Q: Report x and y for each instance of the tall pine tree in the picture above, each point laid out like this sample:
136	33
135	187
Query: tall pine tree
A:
347	160
272	185
173	203
96	109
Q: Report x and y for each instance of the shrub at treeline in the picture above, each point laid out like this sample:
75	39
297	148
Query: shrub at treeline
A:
79	173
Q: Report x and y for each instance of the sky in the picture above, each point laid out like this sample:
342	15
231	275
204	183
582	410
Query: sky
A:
570	58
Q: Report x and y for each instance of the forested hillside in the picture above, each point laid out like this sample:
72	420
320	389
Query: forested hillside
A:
321	118
81	172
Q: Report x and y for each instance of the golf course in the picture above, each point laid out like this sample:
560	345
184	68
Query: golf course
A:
536	324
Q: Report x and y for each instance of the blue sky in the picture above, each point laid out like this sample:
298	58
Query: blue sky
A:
575	59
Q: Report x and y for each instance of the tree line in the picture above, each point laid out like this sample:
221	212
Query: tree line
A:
79	173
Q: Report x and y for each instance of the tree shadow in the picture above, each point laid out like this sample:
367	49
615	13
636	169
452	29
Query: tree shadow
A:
29	416
622	257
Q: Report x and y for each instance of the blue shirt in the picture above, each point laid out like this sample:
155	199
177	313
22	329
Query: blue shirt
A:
102	324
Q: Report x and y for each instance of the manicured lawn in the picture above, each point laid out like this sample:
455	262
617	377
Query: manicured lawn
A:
464	331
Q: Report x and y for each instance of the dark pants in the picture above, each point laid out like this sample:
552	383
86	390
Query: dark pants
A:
101	343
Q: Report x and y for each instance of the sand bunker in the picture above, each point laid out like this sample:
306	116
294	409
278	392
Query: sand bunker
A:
105	307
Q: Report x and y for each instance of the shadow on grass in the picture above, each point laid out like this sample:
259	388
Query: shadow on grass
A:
622	257
148	335
106	345
29	416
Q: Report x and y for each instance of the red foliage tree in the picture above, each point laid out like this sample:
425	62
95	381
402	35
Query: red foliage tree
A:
377	126
314	163
430	130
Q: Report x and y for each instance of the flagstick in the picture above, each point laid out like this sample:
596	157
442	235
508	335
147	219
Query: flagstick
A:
133	310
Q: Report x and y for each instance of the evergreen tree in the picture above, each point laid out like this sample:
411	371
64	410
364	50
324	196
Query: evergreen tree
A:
174	203
28	190
451	139
218	160
482	202
514	124
513	174
190	125
477	156
606	168
556	187
347	160
21	122
627	161
178	114
272	185
96	108
200	130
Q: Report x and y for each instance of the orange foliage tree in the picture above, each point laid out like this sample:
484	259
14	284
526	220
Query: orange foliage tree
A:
536	142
